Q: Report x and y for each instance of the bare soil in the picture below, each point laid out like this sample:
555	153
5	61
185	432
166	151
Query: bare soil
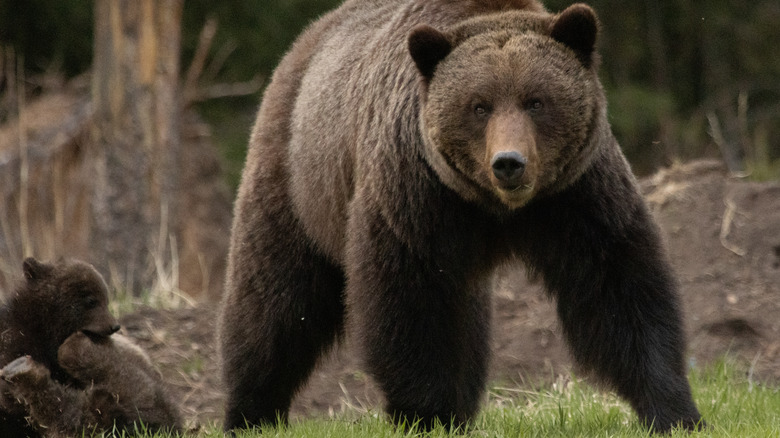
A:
723	236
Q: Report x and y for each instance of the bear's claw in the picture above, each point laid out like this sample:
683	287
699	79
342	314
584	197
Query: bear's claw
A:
23	367
18	366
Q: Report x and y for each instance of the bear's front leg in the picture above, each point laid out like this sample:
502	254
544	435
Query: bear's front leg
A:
601	257
282	310
422	323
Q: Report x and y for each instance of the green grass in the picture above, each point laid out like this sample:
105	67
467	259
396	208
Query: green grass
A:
732	403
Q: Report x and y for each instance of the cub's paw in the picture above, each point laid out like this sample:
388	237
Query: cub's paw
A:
24	370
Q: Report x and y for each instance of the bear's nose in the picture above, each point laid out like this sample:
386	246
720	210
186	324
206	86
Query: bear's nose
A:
508	167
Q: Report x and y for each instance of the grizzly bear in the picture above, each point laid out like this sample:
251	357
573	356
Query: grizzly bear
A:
403	151
52	302
123	392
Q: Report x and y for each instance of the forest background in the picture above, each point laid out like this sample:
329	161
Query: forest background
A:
685	79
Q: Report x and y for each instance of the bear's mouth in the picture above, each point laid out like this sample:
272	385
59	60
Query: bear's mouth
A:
512	188
514	195
92	334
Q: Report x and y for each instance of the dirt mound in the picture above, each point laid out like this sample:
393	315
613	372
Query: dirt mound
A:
724	239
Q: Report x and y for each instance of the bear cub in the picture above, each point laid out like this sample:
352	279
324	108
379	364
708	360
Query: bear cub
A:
62	370
52	302
123	390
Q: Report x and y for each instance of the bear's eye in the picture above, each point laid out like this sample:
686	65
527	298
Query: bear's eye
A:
90	303
481	110
534	105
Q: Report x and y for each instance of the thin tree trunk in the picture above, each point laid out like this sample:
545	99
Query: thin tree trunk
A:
135	80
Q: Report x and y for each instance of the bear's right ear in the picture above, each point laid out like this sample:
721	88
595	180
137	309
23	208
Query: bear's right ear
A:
428	47
35	270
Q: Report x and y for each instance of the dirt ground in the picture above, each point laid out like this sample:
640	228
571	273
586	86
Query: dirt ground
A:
723	236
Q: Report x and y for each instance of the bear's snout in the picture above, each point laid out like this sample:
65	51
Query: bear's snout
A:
102	330
508	168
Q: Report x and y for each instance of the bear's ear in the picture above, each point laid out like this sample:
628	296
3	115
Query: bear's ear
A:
35	270
577	27
428	47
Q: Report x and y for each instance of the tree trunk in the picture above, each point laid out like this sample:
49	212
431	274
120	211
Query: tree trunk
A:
136	110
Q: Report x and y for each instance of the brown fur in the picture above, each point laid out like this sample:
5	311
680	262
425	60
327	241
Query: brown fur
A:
53	302
123	391
375	192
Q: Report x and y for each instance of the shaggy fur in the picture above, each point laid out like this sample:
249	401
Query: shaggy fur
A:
377	195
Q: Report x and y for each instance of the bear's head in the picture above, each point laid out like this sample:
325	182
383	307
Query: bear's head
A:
65	298
95	358
511	104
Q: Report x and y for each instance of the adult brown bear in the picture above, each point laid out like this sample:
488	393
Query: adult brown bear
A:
403	150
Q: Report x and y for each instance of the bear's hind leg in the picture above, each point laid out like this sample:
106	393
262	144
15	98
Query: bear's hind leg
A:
282	310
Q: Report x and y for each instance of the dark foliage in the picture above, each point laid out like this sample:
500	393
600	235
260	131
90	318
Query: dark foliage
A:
667	65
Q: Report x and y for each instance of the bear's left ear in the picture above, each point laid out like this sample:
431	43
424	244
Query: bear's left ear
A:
428	46
577	27
35	270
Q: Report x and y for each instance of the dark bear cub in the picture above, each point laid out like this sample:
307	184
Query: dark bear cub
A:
123	391
52	302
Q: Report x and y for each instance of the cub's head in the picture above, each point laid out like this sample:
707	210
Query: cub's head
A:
96	358
68	296
510	102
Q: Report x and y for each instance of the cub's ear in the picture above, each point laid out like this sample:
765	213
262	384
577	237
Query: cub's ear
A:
428	47
35	270
577	27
